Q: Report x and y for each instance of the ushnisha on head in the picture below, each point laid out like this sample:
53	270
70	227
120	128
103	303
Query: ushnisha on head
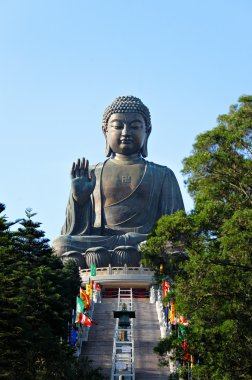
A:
124	105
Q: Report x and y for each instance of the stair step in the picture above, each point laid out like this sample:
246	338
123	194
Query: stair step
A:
146	335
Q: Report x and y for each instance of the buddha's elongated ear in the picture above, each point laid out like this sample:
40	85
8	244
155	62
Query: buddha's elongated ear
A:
104	130
144	150
108	150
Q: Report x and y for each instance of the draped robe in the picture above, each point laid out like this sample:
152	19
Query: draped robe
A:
127	221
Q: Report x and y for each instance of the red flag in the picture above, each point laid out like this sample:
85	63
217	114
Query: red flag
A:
183	321
184	346
84	320
165	287
87	302
97	287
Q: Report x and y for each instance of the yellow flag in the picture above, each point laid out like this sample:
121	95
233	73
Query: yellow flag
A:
88	289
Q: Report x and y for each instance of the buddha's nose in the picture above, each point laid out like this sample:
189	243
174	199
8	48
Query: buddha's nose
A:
126	129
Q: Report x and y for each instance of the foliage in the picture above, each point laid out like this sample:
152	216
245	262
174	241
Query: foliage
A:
166	242
37	297
214	286
85	371
219	169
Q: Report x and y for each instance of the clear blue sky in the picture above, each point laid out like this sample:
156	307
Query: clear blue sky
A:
62	62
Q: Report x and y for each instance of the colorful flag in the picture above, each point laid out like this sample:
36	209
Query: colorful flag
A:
97	287
182	331
72	333
192	360
184	346
85	298
83	295
73	337
88	286
172	313
93	270
87	302
165	287
84	320
183	320
79	307
89	291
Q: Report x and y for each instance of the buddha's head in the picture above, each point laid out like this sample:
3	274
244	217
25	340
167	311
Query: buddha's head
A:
126	125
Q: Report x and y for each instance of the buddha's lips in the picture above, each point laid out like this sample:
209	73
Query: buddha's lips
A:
126	141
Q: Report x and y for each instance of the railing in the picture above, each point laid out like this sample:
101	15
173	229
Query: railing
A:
165	329
136	293
106	271
123	366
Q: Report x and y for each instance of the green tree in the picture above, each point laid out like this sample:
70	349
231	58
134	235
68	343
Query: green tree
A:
214	286
72	281
13	326
41	297
37	297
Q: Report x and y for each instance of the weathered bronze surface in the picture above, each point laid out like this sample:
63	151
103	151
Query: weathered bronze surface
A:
116	202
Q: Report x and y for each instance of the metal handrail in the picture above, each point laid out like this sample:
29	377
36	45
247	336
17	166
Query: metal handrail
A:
123	365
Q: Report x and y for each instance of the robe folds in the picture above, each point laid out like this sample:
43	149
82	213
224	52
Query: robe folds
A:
125	222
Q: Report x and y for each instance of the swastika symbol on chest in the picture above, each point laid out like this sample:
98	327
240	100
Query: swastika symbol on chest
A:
126	179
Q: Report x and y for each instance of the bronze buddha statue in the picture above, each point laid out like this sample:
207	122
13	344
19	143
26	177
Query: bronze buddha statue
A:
116	203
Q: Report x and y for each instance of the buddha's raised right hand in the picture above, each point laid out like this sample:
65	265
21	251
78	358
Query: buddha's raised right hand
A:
83	183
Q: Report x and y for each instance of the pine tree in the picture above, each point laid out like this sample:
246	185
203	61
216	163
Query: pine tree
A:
36	306
37	298
42	301
13	326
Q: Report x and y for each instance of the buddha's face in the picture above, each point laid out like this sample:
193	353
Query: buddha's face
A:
126	133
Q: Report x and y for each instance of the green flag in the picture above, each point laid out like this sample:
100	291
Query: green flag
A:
79	305
182	331
93	270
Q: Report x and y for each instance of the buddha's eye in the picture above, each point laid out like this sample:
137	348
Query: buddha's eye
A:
135	126
117	125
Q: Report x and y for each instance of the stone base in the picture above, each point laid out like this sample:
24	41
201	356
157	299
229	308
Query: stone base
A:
102	257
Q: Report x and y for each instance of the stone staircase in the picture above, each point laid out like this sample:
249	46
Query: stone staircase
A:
99	346
146	335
